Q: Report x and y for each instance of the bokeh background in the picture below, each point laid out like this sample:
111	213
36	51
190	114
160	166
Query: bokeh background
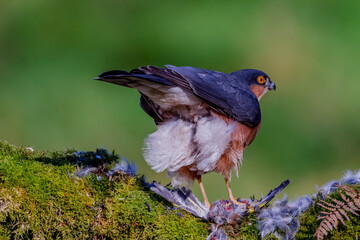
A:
51	50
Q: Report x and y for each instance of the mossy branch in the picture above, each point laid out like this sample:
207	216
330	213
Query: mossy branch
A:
43	197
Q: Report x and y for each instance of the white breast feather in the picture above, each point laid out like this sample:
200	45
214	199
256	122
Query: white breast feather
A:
178	143
170	147
212	138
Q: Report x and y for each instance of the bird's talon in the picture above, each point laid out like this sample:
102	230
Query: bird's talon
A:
236	202
251	209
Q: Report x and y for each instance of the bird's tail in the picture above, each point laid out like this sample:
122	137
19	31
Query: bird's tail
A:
149	85
132	79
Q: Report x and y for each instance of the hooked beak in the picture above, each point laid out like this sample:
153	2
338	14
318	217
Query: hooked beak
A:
270	85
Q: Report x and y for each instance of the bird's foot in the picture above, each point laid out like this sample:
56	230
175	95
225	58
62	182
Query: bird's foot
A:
207	204
250	208
235	201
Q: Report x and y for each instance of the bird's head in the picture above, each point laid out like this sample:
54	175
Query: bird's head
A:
258	81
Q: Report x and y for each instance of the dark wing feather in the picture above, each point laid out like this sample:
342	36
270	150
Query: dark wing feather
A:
167	73
124	78
150	108
221	91
130	79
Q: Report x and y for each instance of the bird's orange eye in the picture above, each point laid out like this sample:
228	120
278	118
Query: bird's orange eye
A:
260	79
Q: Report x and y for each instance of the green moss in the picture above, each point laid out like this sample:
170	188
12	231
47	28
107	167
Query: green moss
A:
39	200
245	229
40	197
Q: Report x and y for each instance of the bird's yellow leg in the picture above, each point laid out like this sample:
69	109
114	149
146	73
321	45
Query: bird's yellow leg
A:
203	192
235	201
231	196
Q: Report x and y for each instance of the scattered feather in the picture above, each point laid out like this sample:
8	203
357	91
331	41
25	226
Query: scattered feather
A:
83	172
30	149
96	162
221	213
124	166
349	177
217	234
282	218
183	198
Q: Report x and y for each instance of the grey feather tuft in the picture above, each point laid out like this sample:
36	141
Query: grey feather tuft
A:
348	178
124	166
329	187
183	198
86	171
283	216
223	212
282	219
217	233
97	162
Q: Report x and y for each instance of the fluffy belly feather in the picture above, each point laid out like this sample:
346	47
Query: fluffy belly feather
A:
188	149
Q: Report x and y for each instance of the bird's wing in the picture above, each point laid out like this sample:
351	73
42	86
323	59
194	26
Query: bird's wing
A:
158	94
222	92
150	108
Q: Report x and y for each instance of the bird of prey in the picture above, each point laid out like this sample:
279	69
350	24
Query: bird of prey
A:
205	119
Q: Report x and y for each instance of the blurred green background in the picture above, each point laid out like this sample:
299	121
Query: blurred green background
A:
51	50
